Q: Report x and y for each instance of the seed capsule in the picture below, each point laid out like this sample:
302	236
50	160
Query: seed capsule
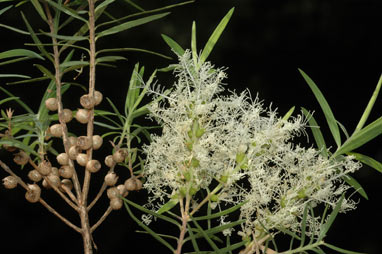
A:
51	104
56	130
119	155
82	115
21	158
82	159
133	184
53	180
54	171
84	142
66	171
97	97
72	141
122	190
33	194
116	203
109	161
97	142
10	182
73	152
63	159
87	101
93	166
34	175
67	183
44	168
112	192
111	179
67	115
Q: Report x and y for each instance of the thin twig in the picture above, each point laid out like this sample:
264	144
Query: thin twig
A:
99	222
48	207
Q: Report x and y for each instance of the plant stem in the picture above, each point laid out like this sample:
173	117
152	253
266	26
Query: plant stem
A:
184	209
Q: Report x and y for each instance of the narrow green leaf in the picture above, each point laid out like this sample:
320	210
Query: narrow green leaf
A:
116	111
148	83
76	64
134	5
356	185
109	59
220	214
325	227
207	237
173	45
133	49
160	216
193	45
18	53
303	225
8	99
45	71
131	96
18	144
341	250
36	4
193	240
368	161
168	206
15	60
20	102
36	39
5	9
289	113
369	106
13	76
14	29
67	10
317	134
215	36
130	24
361	137
65	37
103	5
332	122
151	232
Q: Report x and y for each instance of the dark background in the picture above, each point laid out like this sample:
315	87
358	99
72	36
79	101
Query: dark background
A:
337	43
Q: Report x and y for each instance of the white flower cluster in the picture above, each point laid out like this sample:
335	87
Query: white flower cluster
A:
210	138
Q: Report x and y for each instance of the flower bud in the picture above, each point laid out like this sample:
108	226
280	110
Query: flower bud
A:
82	159
109	161
56	130
116	203
97	97
44	168
63	159
67	115
97	142
119	155
73	152
34	175
84	143
112	192
66	171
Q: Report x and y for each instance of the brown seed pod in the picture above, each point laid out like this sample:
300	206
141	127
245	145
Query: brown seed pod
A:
66	171
109	161
116	203
66	182
111	179
122	190
73	152
133	184
93	166
44	167
87	101
21	158
52	180
56	130
72	141
82	159
51	104
55	171
97	97
82	115
63	159
84	143
10	182
97	142
34	175
33	194
112	192
67	115
119	155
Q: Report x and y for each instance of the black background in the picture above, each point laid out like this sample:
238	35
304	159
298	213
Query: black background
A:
337	43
